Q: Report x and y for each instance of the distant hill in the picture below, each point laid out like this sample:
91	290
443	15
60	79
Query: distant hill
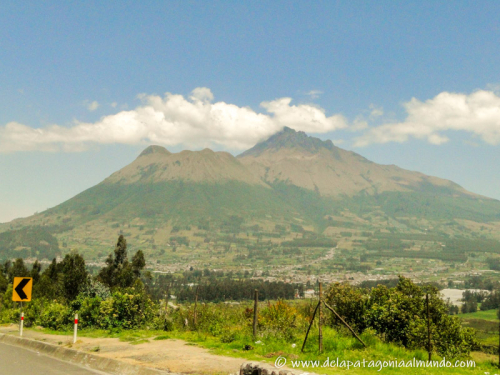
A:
289	179
32	241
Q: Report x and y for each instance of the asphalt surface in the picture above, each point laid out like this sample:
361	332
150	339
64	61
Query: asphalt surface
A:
19	361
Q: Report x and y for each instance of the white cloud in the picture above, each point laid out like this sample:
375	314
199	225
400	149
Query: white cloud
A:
91	106
202	94
314	94
305	117
375	111
173	119
477	113
358	124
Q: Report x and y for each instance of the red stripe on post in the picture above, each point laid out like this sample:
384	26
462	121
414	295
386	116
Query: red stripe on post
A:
22	317
76	321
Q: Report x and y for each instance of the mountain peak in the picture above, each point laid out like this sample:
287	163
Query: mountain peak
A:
289	138
157	165
154	149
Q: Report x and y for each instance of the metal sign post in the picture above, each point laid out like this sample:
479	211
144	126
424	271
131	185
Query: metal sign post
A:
21	291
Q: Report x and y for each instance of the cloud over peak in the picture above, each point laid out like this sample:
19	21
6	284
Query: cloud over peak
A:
197	121
173	119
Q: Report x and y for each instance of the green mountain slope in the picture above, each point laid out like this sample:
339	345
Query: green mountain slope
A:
181	201
289	160
290	180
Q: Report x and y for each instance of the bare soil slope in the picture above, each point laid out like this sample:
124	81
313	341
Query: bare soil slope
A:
310	163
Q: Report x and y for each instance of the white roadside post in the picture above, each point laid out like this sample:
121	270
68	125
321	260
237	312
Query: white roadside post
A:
21	327
76	328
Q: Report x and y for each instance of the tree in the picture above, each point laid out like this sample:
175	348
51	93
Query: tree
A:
3	283
52	271
106	274
4	269
138	263
74	275
35	271
18	269
120	252
50	285
48	288
119	272
4	274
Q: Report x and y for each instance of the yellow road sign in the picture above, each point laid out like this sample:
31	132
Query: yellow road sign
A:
22	289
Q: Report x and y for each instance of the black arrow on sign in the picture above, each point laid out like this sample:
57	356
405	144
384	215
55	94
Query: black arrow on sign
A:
19	288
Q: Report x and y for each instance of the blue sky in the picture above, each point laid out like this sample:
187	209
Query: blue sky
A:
83	86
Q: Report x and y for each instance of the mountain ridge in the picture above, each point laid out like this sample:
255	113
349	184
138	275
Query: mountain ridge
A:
289	138
314	164
290	180
158	164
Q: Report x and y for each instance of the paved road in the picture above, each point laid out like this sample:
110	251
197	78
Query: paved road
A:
18	361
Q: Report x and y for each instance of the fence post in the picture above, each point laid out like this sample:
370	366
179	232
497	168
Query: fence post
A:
21	326
194	313
75	329
320	337
255	313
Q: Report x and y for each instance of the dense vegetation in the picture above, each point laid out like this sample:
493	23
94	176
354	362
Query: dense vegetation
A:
399	314
122	296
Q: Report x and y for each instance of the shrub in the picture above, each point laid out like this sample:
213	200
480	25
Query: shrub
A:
228	336
89	311
281	319
56	316
350	303
126	310
10	315
399	315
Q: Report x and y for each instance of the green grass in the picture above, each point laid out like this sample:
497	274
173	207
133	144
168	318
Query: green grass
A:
484	315
137	342
486	325
162	337
132	336
336	345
